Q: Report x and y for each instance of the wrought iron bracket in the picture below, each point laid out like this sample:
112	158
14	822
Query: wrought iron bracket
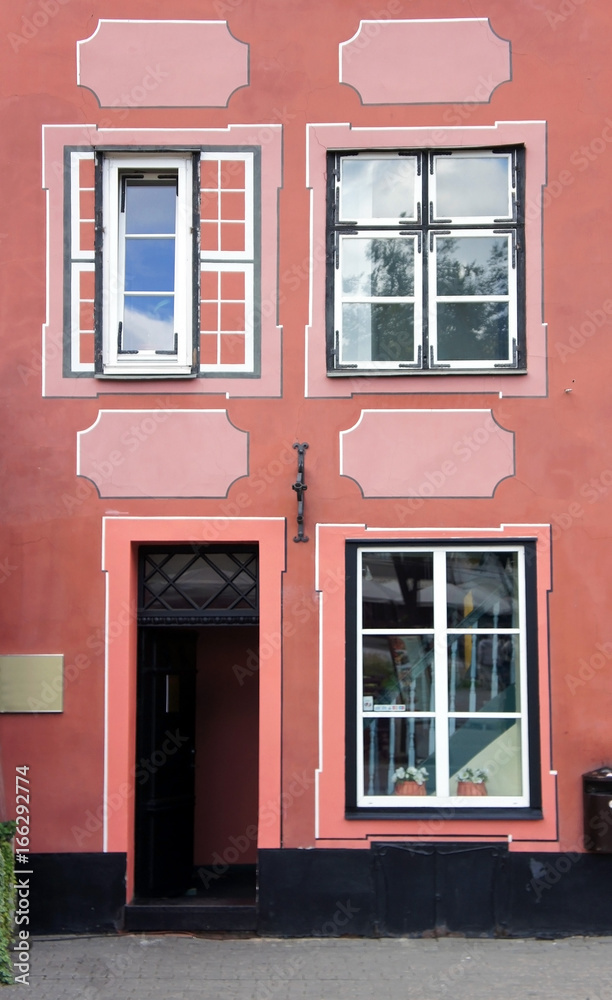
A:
300	487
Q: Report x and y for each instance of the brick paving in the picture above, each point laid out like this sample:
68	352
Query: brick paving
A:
187	966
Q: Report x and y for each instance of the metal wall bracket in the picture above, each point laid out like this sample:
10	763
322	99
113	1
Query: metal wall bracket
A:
300	486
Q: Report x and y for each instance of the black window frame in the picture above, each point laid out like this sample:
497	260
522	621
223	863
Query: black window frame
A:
410	808
424	228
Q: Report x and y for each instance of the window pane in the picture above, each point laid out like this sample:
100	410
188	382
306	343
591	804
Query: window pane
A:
149	265
472	265
398	742
150	208
468	186
397	590
372	332
482	589
493	745
378	266
483	672
148	323
473	331
377	188
398	670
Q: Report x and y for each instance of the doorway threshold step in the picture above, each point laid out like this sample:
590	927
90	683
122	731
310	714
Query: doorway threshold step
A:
171	915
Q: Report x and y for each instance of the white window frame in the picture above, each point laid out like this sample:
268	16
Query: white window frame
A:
425	226
146	363
416	300
442	712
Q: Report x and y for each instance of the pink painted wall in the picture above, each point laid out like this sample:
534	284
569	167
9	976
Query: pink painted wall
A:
68	556
227	750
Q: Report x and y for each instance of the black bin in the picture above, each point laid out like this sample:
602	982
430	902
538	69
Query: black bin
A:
597	806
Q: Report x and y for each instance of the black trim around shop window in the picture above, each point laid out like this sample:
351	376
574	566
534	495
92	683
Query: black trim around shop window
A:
533	811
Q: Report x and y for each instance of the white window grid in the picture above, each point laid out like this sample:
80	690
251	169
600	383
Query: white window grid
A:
146	361
443	714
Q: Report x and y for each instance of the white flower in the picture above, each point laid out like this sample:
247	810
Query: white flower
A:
477	775
417	774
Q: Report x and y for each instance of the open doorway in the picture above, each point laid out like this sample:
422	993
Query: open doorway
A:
197	725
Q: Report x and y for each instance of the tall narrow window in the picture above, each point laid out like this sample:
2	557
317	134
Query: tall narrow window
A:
148	248
425	262
148	264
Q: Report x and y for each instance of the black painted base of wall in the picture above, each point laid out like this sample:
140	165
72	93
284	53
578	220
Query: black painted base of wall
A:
415	889
176	916
76	893
389	890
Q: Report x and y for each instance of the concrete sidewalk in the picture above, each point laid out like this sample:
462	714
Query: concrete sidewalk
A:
173	967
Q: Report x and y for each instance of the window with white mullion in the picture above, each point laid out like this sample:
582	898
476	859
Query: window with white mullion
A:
472	279
442	673
148	266
382	188
147	257
473	186
454	216
378	298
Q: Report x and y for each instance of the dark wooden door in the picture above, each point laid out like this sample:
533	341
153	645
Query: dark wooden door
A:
165	761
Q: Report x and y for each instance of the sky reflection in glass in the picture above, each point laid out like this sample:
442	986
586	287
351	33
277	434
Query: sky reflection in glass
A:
150	208
378	188
148	323
471	186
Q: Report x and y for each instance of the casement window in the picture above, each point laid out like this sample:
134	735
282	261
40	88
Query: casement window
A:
425	262
441	677
171	274
148	246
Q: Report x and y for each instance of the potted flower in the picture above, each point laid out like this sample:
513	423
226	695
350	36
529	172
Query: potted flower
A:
410	781
471	781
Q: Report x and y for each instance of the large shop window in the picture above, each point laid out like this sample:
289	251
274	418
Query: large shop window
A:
442	677
425	262
164	285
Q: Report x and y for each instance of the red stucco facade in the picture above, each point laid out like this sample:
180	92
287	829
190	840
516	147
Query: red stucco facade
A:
97	466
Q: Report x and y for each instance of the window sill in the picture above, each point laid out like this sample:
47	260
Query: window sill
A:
139	376
446	813
415	373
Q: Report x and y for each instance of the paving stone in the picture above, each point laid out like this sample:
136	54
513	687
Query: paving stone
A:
186	967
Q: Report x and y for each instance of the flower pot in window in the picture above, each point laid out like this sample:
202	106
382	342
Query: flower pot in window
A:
471	788
410	788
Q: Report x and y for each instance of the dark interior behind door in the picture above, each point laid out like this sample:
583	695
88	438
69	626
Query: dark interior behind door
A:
165	753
